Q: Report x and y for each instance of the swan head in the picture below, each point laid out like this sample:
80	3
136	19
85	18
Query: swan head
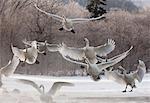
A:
123	70
34	44
111	68
120	67
87	61
141	62
87	42
63	44
64	17
42	87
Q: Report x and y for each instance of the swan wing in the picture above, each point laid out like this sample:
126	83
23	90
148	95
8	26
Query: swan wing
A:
18	53
59	18
57	86
31	83
113	60
121	56
24	41
52	47
71	54
76	61
105	65
119	78
115	76
74	55
1	80
9	62
141	70
10	68
105	49
80	20
31	55
42	46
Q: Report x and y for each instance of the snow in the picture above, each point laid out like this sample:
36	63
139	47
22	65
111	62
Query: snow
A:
84	91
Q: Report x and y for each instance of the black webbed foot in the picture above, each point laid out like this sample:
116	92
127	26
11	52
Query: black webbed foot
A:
98	78
73	31
82	66
131	91
61	29
98	62
124	91
44	53
37	62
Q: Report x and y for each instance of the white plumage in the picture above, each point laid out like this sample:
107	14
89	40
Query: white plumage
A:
94	70
127	79
28	55
67	23
10	68
46	96
77	55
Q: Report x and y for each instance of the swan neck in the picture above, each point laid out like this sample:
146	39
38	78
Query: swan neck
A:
87	43
65	19
42	87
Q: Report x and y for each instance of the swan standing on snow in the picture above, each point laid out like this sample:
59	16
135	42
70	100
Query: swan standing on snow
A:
28	55
94	70
46	96
10	68
67	24
127	79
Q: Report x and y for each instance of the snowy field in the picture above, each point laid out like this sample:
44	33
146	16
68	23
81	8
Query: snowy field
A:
84	91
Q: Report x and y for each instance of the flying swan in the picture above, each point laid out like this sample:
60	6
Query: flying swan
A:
46	96
77	55
28	55
67	23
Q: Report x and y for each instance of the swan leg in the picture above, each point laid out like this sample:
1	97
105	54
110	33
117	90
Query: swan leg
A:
125	89
99	77
73	31
131	90
61	28
134	86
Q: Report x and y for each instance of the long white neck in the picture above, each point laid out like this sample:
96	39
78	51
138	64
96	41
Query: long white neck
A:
65	19
34	44
87	42
43	89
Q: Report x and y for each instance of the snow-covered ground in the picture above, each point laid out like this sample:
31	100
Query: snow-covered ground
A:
84	91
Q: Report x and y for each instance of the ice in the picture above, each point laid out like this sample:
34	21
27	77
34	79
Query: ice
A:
84	91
